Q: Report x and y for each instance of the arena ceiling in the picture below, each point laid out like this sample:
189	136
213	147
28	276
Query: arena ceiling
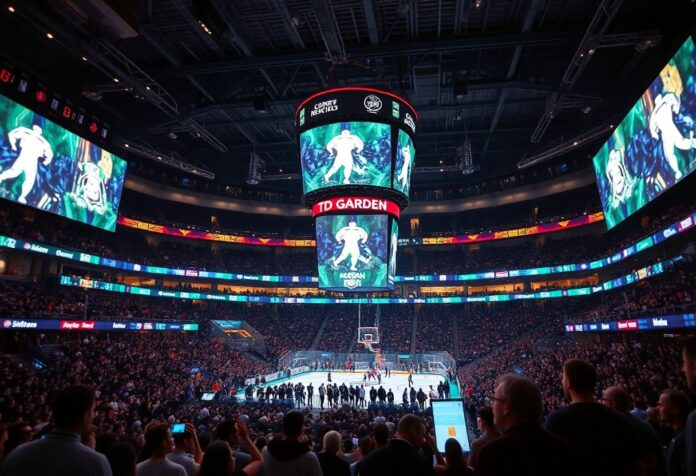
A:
214	81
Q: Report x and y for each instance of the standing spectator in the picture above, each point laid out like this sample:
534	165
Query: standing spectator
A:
290	455
218	461
228	431
649	449
61	452
329	459
604	437
489	430
401	457
674	410
187	451
525	447
689	368
158	441
122	459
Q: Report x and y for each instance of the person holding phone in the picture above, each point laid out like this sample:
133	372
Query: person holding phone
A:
159	441
187	451
220	461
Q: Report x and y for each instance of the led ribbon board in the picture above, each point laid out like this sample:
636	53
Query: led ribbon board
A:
625	280
677	228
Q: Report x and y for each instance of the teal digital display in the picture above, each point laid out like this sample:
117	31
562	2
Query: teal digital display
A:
405	156
44	166
654	146
352	252
346	153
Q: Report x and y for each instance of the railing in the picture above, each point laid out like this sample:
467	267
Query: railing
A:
436	362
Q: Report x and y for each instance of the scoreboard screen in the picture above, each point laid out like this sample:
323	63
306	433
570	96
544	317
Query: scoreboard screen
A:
352	252
654	146
45	166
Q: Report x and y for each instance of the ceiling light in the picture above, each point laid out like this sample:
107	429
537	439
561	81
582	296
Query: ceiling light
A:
126	145
11	9
115	80
84	58
49	35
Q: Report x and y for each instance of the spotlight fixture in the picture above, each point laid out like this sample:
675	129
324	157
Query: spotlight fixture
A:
11	9
49	35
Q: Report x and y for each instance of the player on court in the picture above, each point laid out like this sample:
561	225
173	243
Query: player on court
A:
343	146
351	236
34	147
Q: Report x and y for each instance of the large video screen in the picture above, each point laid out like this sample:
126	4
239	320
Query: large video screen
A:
346	153
44	166
654	146
405	155
352	252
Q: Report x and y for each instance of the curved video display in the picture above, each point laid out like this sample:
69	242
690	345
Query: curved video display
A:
405	156
654	146
49	168
352	252
346	153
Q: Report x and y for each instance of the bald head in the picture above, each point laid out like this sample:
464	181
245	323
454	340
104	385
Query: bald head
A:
617	398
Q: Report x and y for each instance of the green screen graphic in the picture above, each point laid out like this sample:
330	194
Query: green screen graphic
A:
405	155
654	146
393	242
346	153
352	252
44	166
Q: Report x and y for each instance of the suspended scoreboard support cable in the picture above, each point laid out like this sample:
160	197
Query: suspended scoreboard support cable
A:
357	151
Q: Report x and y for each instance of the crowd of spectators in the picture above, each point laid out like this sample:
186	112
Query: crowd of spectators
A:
396	328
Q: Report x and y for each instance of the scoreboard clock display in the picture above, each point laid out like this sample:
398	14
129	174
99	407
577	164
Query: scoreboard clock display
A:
29	91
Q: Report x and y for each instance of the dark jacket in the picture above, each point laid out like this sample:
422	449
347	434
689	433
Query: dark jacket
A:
396	459
527	450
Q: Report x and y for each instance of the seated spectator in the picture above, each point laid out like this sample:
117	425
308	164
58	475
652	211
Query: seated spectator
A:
603	437
290	455
455	461
366	445
402	455
525	447
329	459
649	449
158	441
61	452
489	430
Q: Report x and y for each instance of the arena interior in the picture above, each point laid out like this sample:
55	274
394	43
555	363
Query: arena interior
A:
347	237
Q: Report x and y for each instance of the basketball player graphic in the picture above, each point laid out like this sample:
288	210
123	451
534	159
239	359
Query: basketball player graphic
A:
33	147
662	128
343	146
351	236
620	180
402	178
